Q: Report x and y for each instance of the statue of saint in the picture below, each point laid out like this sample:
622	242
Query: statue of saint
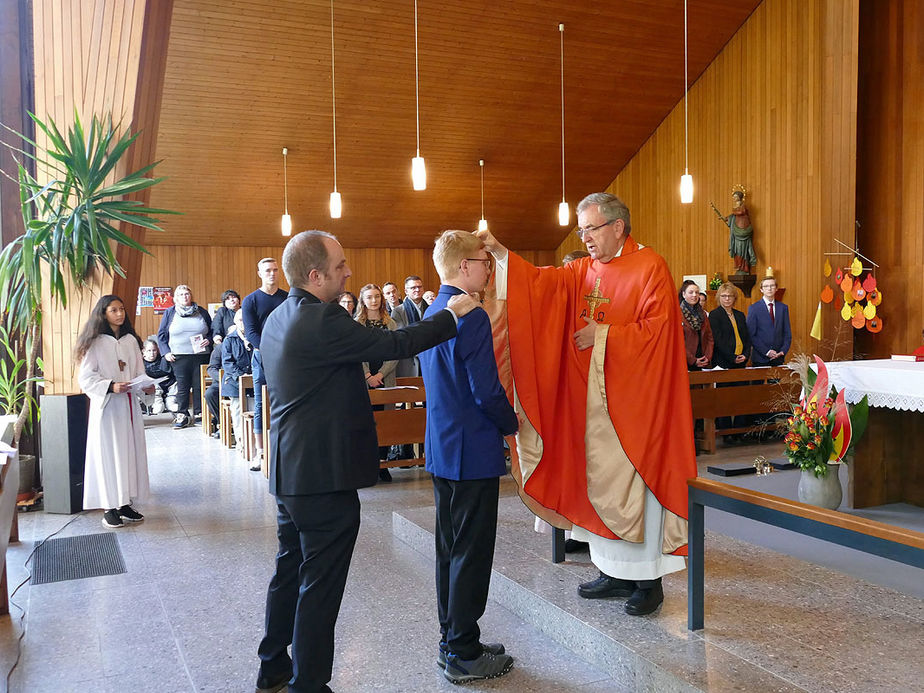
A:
740	232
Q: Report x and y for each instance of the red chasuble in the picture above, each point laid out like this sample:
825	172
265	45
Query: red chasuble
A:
646	384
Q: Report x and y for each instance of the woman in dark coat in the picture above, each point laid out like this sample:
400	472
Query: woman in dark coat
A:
729	330
697	333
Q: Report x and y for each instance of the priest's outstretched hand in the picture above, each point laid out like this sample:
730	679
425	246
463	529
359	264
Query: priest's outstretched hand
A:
491	244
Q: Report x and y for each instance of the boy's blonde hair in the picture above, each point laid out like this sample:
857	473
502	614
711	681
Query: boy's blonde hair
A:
450	248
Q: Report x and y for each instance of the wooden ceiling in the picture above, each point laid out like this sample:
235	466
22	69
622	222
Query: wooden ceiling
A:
247	77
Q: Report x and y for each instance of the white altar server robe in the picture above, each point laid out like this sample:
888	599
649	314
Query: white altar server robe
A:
117	461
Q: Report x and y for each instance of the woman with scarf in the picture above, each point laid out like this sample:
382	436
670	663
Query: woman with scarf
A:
697	333
184	340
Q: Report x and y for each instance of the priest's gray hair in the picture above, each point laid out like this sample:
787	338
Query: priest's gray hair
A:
304	252
610	206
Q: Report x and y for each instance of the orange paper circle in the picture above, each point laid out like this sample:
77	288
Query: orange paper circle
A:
875	297
874	325
858	321
827	294
869	283
847	284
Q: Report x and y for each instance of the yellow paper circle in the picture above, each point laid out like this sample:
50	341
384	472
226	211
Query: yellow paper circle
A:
848	297
846	313
856	267
869	312
827	268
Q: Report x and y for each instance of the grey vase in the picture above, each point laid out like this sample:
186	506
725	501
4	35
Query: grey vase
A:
825	491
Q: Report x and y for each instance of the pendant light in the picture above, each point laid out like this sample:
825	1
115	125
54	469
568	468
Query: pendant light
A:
482	223
564	213
418	168
336	204
686	180
286	219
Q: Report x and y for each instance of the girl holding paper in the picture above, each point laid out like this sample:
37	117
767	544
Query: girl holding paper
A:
116	473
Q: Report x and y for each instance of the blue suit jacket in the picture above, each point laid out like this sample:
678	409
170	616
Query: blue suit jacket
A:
766	335
467	409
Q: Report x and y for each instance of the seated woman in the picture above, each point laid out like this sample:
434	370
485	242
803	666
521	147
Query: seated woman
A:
224	316
372	314
731	339
235	361
697	333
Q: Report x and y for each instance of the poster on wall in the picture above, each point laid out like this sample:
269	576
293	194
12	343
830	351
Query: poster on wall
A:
145	296
163	299
213	308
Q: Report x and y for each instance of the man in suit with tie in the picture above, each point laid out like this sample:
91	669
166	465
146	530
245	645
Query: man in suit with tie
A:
768	324
408	312
468	415
323	448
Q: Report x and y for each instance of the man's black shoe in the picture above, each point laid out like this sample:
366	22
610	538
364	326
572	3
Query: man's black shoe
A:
573	546
645	601
606	586
266	684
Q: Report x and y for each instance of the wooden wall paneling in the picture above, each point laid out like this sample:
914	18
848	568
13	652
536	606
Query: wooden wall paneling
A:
88	59
775	111
890	170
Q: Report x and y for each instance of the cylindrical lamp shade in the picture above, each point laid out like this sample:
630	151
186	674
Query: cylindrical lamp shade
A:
286	225
564	214
419	173
482	224
336	205
686	188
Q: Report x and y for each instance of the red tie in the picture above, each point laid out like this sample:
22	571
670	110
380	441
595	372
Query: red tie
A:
772	317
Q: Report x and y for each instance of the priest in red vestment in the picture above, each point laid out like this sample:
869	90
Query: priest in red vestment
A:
595	364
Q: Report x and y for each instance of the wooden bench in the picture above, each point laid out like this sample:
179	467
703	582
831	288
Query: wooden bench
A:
401	426
877	538
204	381
757	391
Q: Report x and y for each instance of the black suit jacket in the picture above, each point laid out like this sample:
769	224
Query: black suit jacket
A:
322	431
723	353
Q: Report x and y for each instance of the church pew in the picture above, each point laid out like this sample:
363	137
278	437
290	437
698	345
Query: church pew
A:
401	426
204	381
757	391
869	536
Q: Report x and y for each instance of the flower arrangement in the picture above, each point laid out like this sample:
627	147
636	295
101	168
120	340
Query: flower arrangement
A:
823	428
715	282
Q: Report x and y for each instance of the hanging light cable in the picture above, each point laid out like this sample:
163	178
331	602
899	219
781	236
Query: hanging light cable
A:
564	213
286	219
686	180
418	168
482	223
336	204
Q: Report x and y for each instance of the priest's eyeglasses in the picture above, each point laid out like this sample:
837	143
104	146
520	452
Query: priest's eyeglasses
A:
580	232
489	263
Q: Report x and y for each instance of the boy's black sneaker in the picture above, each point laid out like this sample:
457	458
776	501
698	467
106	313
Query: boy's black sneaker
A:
112	520
129	514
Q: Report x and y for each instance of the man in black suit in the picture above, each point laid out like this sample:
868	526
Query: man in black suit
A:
323	448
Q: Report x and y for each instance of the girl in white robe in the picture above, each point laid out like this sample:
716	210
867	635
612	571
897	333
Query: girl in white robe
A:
116	471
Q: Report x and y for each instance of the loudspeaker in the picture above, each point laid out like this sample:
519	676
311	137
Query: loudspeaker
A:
64	451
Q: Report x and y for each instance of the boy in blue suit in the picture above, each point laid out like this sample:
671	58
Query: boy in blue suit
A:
468	415
768	323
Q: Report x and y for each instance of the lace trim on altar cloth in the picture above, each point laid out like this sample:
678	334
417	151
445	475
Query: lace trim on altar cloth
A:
887	400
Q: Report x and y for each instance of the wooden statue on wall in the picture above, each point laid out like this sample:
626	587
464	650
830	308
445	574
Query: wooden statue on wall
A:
740	240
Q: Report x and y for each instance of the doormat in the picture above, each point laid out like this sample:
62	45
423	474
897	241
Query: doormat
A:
73	558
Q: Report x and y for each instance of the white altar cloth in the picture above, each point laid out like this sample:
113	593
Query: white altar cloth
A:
888	384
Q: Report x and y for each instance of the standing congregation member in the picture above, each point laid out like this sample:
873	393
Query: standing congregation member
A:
324	448
348	302
606	432
224	316
184	338
697	332
732	346
256	308
408	312
468	416
768	324
390	292
116	473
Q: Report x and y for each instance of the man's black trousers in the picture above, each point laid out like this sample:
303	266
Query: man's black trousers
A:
316	538
466	526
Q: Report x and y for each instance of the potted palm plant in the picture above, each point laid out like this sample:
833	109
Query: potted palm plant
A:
71	228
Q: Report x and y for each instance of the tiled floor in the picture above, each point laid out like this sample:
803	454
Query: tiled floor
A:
188	614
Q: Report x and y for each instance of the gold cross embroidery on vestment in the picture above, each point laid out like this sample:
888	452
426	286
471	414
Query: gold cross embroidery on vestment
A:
595	299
